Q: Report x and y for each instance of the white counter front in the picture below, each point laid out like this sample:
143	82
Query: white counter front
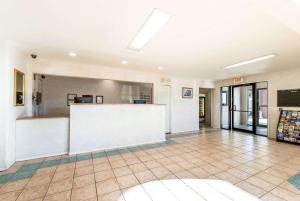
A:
98	127
38	137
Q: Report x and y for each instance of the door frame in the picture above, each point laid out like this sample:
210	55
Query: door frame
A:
229	107
253	85
257	107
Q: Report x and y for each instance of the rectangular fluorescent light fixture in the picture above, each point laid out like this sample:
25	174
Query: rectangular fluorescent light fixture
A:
153	24
251	61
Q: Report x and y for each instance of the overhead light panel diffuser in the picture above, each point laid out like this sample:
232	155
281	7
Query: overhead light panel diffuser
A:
153	24
250	61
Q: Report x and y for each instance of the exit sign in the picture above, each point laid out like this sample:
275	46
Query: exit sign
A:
238	80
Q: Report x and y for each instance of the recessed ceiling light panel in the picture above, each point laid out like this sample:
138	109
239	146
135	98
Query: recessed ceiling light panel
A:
160	67
153	24
124	62
251	61
72	54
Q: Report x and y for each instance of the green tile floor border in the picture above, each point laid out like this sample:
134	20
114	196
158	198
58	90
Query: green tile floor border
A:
28	170
169	136
295	180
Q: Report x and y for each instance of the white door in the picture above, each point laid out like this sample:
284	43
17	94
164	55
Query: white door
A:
164	97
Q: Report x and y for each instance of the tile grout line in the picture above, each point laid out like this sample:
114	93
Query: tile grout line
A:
95	176
140	182
115	178
51	182
73	177
22	189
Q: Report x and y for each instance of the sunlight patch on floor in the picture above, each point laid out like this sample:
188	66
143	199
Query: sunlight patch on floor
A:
187	190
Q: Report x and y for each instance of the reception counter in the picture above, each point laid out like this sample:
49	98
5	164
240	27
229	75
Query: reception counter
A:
41	136
97	127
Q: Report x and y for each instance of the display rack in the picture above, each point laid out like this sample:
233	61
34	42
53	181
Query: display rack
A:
288	129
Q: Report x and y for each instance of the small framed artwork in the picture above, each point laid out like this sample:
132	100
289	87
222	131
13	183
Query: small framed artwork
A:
99	99
70	98
187	92
19	88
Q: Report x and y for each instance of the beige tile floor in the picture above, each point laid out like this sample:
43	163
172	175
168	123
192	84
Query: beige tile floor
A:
197	167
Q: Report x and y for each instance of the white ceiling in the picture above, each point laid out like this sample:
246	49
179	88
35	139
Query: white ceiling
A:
201	37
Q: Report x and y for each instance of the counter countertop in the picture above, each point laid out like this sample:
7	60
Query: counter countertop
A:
41	117
76	104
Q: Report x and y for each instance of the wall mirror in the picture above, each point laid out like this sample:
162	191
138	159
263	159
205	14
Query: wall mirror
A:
19	88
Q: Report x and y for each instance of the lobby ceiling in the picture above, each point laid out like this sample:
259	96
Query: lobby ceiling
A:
199	40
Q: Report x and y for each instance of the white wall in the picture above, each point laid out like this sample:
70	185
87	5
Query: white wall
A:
15	60
288	79
184	111
2	105
11	59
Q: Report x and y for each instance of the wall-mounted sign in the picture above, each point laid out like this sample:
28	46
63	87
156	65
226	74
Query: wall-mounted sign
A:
238	80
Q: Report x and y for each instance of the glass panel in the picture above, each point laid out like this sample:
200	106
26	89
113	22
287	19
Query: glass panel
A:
263	107
224	98
241	120
262	111
243	97
225	117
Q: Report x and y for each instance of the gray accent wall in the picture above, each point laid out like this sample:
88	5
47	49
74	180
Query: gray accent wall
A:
54	91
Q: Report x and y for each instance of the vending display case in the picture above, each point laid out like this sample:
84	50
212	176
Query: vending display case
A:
288	129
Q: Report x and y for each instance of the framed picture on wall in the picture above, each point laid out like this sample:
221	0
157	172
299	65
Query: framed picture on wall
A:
19	88
187	92
99	99
70	98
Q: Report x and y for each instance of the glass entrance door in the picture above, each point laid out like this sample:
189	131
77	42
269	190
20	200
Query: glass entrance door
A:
243	117
225	108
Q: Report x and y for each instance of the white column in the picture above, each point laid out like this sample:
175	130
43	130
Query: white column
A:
3	104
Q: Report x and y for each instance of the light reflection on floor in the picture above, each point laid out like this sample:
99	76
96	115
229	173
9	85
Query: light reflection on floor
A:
185	190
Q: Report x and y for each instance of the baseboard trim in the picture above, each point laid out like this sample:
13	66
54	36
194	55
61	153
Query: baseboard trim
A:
185	132
116	148
41	156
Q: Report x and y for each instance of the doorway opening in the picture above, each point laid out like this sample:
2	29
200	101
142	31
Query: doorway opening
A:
204	107
245	108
